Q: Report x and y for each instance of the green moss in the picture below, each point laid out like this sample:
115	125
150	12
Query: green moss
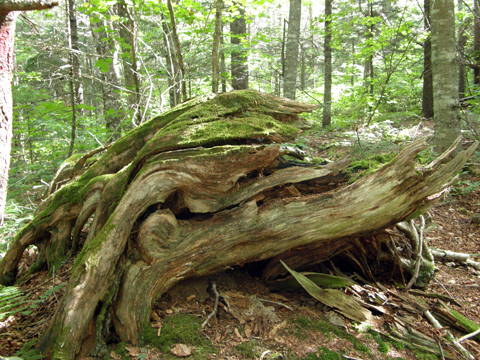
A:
248	350
398	345
180	328
383	348
120	350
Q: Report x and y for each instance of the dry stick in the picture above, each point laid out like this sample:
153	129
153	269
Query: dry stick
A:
419	259
468	336
215	307
276	303
450	337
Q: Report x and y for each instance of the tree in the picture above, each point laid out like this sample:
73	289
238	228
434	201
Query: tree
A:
476	42
291	54
445	78
178	50
196	189
74	81
105	48
327	94
128	43
239	55
8	16
427	92
216	44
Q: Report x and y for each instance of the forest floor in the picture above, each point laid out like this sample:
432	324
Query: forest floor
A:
255	321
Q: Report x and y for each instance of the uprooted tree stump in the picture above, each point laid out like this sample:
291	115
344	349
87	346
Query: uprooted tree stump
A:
197	189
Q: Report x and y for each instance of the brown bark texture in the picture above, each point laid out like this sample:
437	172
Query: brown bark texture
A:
199	188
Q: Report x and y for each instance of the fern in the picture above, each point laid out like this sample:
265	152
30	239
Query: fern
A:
28	352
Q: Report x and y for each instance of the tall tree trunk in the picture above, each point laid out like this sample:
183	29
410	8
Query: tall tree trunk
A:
327	94
178	50
216	44
444	69
75	81
128	43
291	55
427	93
174	87
112	106
7	36
223	66
239	56
369	73
462	39
476	42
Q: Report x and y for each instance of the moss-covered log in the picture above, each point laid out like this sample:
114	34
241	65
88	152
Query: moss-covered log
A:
197	189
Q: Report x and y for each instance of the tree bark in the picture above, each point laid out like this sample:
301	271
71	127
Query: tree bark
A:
327	93
112	106
216	44
239	55
427	92
476	41
445	78
196	189
128	43
7	37
75	80
291	55
178	50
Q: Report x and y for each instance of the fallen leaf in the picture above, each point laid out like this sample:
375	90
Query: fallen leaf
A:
182	350
133	351
115	356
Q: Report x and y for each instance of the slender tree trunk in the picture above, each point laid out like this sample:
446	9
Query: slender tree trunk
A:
7	36
216	43
128	43
427	93
303	71
172	65
239	56
369	73
461	42
476	42
327	94
291	56
445	79
112	107
223	66
178	50
75	83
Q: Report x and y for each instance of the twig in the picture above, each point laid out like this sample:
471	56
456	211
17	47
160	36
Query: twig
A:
468	336
276	303
215	307
444	288
449	336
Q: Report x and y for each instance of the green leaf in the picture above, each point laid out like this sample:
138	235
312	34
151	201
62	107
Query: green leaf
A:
346	305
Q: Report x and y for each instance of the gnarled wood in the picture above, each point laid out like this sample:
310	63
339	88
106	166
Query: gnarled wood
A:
203	191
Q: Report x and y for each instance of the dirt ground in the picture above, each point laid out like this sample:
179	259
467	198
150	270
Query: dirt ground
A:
256	321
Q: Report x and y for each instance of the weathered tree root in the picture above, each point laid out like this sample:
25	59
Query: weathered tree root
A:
202	192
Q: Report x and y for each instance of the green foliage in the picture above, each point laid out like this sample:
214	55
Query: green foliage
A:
28	351
464	187
13	301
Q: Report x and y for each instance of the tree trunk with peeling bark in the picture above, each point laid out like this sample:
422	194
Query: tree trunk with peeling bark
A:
199	188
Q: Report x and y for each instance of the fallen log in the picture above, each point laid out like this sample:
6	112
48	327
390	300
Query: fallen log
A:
198	189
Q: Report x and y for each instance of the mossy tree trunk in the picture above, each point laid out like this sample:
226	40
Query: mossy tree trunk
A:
197	189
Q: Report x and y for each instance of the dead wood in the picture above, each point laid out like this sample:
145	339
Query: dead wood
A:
196	190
